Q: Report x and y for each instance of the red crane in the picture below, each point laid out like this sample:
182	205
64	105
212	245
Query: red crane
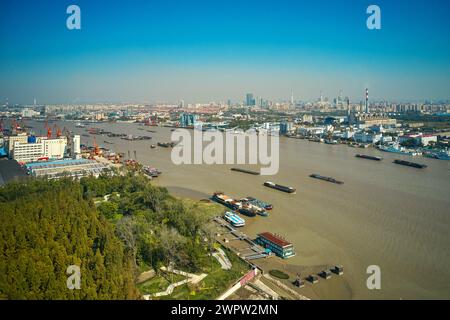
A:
49	130
57	130
96	148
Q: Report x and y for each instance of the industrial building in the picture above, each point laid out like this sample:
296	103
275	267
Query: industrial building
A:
276	244
25	148
75	168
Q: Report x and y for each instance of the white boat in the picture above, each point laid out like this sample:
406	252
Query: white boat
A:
234	219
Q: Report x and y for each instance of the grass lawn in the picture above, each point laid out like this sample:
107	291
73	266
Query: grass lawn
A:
217	281
159	283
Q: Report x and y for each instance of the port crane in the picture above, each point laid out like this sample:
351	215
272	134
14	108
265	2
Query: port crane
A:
96	148
49	130
57	130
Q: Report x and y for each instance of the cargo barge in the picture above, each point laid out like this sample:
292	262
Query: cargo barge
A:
364	156
410	164
256	173
332	180
279	187
228	202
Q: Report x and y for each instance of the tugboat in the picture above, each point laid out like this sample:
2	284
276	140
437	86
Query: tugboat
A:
410	164
279	187
259	203
247	210
250	208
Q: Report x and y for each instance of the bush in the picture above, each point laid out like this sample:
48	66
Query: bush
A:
279	274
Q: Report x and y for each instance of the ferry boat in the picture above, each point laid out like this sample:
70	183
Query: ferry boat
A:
279	187
364	156
234	219
223	199
332	180
410	164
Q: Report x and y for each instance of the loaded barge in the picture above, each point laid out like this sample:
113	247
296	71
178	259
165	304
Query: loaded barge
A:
279	187
332	180
410	164
256	173
364	156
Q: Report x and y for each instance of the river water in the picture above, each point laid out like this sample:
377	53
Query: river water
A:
388	215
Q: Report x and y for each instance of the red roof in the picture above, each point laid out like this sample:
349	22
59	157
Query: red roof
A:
275	239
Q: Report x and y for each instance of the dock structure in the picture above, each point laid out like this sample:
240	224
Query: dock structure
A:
276	244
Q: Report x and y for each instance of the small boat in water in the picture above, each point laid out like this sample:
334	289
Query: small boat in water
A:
279	187
256	173
364	156
153	146
329	179
410	164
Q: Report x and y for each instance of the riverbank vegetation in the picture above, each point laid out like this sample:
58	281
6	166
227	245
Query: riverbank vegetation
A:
47	225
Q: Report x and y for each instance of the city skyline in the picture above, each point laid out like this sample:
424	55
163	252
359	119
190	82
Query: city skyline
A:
200	51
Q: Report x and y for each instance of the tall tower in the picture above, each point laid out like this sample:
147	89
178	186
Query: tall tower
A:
292	97
367	100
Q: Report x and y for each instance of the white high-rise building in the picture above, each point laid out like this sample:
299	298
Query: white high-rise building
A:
76	150
36	148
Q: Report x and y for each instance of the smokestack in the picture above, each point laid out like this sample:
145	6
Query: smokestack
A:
367	100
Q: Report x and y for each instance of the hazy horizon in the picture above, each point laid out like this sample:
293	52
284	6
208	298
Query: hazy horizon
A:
202	51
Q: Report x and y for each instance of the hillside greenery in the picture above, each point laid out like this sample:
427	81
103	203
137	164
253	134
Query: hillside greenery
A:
47	225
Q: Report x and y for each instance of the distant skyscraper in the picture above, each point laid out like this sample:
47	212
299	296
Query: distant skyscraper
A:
250	100
292	97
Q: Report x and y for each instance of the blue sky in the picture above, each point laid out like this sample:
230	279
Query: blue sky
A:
217	50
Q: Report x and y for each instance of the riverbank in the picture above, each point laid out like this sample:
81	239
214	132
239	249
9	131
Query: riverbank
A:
388	215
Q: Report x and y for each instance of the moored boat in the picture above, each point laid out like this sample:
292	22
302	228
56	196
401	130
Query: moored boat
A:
234	219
